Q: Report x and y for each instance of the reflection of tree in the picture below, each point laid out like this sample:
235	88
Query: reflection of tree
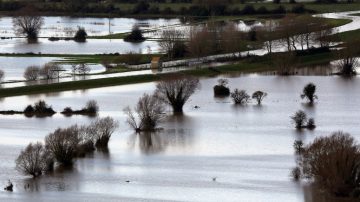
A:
156	142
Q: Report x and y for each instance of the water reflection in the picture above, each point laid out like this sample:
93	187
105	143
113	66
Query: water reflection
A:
160	141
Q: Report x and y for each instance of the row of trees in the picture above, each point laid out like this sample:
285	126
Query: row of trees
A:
53	70
198	8
65	144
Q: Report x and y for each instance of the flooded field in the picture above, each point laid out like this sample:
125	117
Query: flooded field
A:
248	149
67	26
14	67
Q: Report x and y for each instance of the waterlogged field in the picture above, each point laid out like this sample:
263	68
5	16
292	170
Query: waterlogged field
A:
247	148
67	26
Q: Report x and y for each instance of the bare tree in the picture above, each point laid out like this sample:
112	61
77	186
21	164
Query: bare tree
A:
63	144
240	96
348	58
27	23
199	44
83	69
230	39
101	130
169	39
32	73
259	96
175	90
149	110
333	163
50	71
268	33
33	160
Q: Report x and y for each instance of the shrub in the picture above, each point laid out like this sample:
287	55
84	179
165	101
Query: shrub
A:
309	92
311	124
334	164
63	143
259	96
240	96
80	35
175	90
91	107
34	160
32	73
221	89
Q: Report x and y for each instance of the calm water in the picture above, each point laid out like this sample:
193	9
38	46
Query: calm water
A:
248	148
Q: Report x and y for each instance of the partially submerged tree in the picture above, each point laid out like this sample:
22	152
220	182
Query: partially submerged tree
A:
101	130
135	35
32	73
27	23
333	162
149	111
80	35
298	147
222	89
33	160
259	96
299	119
63	143
309	92
240	96
175	90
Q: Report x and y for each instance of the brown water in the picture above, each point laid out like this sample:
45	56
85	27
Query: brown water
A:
248	148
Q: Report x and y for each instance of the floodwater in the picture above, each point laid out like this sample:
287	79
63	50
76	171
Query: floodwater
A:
247	148
14	67
91	46
67	26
